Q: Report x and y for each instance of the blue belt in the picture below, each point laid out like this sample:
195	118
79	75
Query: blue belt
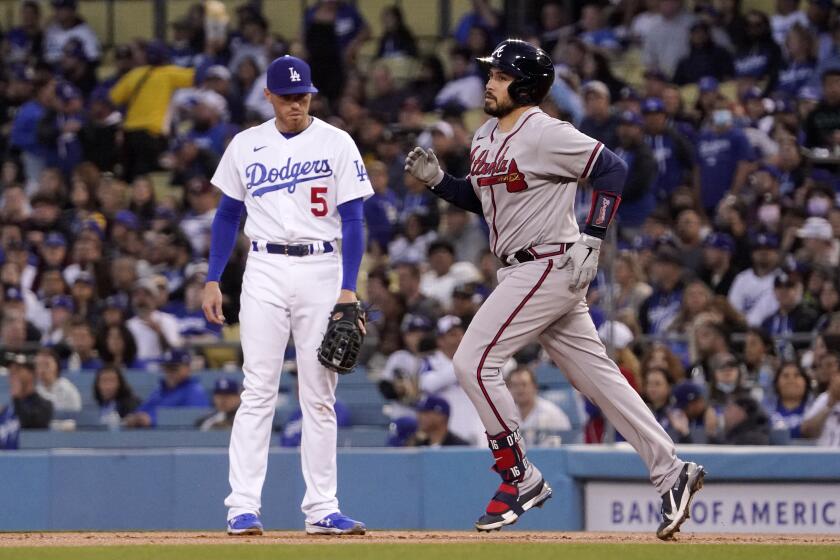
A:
292	250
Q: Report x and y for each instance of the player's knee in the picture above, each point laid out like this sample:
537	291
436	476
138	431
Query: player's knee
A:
464	364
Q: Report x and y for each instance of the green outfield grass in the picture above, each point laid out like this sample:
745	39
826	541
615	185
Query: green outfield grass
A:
454	551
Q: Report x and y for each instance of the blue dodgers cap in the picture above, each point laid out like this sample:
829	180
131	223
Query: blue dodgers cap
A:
707	84
61	302
630	117
413	322
55	239
808	93
722	241
289	75
752	93
128	219
176	356
686	392
66	91
765	241
400	430
13	293
653	105
226	386
432	403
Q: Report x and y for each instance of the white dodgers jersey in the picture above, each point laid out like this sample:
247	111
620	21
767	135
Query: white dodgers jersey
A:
292	186
527	178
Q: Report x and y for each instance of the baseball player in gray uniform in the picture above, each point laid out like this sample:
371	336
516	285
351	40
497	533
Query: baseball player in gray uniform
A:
524	171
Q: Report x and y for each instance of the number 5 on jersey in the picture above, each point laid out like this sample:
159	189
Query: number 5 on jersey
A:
319	201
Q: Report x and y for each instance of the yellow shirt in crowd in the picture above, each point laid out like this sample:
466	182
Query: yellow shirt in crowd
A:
150	104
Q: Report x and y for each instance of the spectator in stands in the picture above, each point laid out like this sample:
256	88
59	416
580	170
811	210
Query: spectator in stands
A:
657	394
726	381
819	245
660	356
114	395
672	151
33	410
444	273
661	308
25	41
827	364
800	60
24	134
792	316
541	418
666	41
437	378
9	428
401	432
82	344
193	327
146	92
115	344
704	58
752	290
61	315
724	158
226	402
67	26
464	232
828	303
397	39
463	87
743	422
466	299
482	15
689	412
412	243
791	398
689	230
599	122
381	209
60	391
178	388
758	57
637	199
717	270
822	419
154	331
629	288
759	360
594	30
432	424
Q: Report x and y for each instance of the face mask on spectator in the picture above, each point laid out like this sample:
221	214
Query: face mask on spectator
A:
769	215
726	388
722	117
818	206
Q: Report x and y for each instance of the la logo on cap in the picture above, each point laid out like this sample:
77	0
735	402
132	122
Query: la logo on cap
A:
293	74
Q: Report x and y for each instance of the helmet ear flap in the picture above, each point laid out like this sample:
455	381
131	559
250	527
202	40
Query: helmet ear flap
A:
520	92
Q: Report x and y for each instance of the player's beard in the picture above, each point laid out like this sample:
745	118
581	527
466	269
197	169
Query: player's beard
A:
495	108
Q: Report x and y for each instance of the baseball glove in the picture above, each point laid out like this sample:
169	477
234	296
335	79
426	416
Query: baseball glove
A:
342	342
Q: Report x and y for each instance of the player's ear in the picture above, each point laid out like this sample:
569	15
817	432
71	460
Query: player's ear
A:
267	94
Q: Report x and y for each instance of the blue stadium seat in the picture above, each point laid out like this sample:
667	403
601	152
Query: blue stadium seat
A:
550	377
180	417
569	402
362	437
127	439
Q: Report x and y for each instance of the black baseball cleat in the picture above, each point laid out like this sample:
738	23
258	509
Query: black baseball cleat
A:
677	500
508	505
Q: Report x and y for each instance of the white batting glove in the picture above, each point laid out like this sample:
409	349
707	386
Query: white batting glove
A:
423	165
582	261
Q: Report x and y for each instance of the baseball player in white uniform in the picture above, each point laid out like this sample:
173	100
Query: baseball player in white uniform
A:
524	172
302	183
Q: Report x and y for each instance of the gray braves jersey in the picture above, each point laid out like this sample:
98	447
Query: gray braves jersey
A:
526	180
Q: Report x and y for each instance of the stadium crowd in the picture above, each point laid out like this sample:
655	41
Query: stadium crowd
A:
718	296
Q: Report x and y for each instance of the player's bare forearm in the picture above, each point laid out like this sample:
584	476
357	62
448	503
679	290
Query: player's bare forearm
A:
211	303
